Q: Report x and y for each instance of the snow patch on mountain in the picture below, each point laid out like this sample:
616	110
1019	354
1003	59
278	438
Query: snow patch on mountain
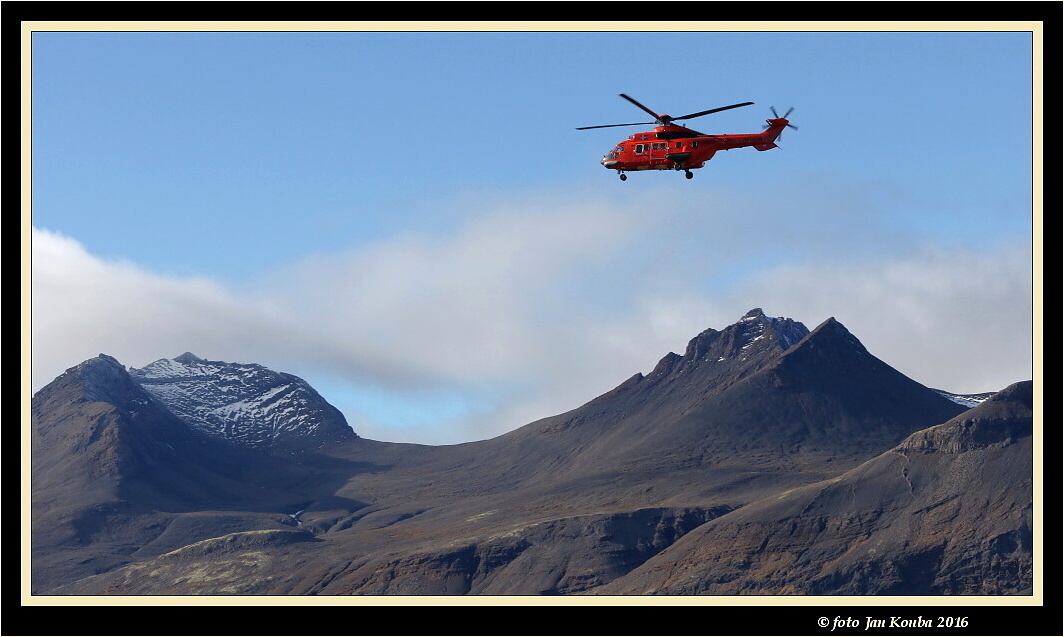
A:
244	403
967	400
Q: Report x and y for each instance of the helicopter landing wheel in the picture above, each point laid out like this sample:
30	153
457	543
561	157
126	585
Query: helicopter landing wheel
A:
688	174
623	176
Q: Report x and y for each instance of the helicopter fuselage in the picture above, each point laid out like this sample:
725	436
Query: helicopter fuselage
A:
674	147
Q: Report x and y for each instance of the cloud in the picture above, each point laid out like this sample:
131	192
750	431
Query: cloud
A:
82	306
457	306
952	318
525	311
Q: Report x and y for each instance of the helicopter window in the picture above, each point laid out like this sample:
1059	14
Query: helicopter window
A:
659	145
639	148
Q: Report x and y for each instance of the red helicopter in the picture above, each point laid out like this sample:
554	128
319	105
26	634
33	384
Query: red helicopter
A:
674	147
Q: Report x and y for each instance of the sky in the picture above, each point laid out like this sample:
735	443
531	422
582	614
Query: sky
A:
410	221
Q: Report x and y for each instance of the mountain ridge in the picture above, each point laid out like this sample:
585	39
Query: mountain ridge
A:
723	376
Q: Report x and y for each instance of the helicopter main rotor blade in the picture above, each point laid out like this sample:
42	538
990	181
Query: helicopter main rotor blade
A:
663	119
612	125
712	110
644	108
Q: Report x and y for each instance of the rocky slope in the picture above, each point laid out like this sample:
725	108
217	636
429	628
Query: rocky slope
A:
946	512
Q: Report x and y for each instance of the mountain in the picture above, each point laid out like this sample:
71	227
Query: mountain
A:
946	512
112	468
245	404
764	392
569	504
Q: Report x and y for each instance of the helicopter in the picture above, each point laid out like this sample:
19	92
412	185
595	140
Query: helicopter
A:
673	146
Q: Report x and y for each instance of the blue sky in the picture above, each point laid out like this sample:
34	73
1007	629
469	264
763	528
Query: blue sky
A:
411	222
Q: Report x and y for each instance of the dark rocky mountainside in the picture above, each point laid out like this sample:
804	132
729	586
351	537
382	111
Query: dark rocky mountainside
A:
112	468
946	512
574	503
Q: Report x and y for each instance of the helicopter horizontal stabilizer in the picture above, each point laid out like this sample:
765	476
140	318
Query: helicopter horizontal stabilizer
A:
768	146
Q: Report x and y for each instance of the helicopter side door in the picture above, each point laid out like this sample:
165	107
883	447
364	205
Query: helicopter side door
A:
641	153
658	150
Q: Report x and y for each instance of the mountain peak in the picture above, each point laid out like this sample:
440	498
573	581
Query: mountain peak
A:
103	378
836	332
101	364
754	330
246	404
722	357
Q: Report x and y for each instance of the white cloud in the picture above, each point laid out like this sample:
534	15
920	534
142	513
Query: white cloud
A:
460	306
83	306
950	318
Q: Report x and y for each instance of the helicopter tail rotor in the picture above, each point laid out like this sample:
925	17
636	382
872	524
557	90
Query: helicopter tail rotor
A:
781	117
778	116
